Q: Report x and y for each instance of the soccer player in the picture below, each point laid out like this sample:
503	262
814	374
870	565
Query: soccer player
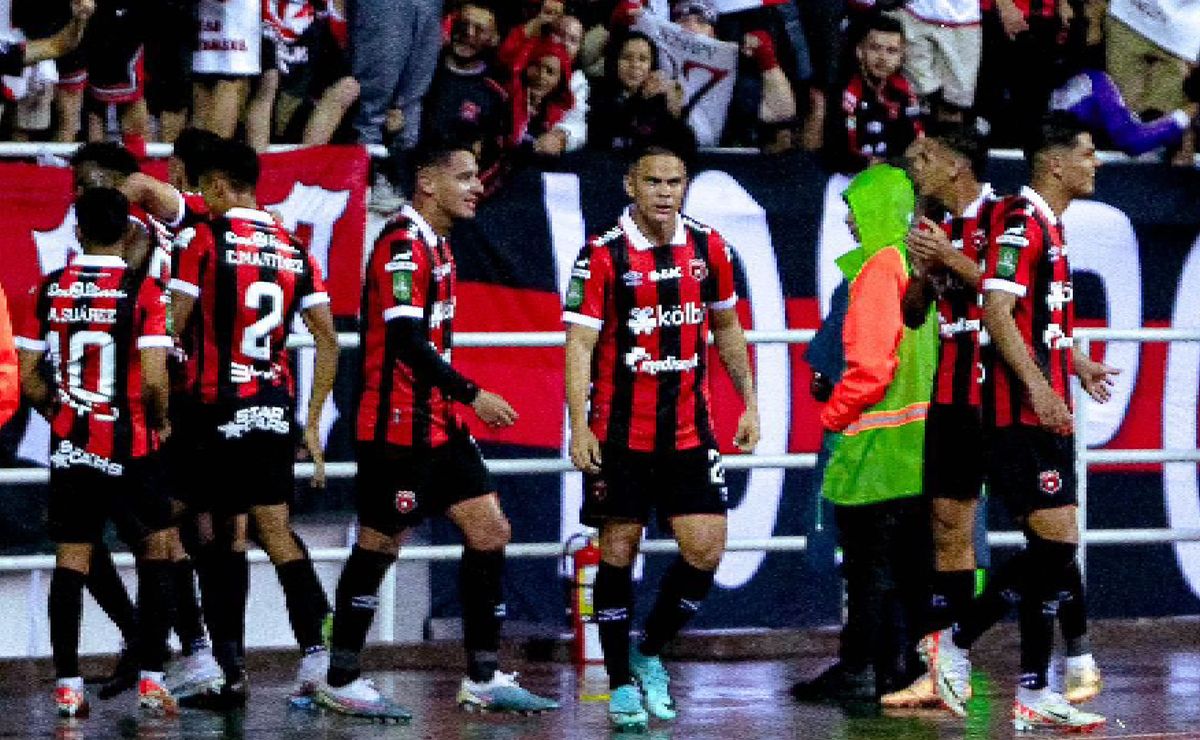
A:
106	164
640	303
243	279
415	456
1029	315
104	327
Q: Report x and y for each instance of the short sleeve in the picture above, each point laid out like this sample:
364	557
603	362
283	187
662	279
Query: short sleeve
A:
152	316
588	287
400	271
1014	246
312	290
723	293
30	321
197	249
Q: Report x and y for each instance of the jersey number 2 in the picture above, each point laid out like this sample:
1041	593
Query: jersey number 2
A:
256	338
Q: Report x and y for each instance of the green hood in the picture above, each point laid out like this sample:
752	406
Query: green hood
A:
882	200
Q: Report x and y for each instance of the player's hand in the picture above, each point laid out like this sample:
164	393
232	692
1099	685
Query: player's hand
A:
585	450
312	440
393	121
493	410
83	9
929	244
1095	377
747	435
1011	18
164	432
552	143
1052	411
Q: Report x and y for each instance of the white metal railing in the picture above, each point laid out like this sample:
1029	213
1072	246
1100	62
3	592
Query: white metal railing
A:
1084	457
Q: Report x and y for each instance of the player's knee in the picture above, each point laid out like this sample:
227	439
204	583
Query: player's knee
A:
494	536
706	556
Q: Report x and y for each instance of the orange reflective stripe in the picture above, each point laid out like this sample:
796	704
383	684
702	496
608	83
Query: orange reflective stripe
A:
894	418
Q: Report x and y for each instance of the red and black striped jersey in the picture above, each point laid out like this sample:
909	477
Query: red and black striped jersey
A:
1027	257
651	306
410	275
92	318
960	315
192	211
249	278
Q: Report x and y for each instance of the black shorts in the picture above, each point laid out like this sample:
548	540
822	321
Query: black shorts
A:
84	499
630	484
397	487
1031	469
242	458
954	452
114	51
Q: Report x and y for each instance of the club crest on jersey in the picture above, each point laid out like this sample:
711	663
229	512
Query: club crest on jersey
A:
599	489
632	279
698	269
1050	481
406	501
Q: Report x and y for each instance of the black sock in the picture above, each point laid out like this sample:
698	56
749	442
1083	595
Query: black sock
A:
1072	613
188	623
224	583
356	598
155	612
66	609
953	591
306	602
1002	591
321	604
106	587
613	598
481	591
680	594
1036	620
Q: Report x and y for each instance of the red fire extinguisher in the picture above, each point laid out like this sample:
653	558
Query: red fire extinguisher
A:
584	553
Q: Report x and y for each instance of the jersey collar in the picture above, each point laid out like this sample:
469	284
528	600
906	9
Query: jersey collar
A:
98	260
250	214
985	194
427	233
639	240
1040	203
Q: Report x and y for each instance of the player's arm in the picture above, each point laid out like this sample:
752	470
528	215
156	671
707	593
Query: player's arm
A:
66	39
998	306
34	387
156	386
581	345
319	320
156	197
918	296
735	356
198	249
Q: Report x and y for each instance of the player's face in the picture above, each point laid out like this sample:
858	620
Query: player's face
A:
932	167
881	54
656	184
216	192
634	63
543	75
90	175
455	185
1079	165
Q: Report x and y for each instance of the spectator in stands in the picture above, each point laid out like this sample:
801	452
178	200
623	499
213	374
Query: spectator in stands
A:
573	127
394	46
769	125
332	88
539	26
39	30
1092	97
1020	44
880	115
633	102
1149	70
464	94
227	58
944	40
541	96
169	57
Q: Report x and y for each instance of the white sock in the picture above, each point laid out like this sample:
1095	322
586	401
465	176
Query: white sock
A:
156	676
1032	696
74	682
1080	662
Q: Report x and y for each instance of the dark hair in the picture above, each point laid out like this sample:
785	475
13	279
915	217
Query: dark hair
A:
106	155
192	147
238	162
882	24
677	141
436	150
964	139
102	215
616	45
1056	130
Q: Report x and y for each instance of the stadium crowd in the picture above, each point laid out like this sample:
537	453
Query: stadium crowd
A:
532	80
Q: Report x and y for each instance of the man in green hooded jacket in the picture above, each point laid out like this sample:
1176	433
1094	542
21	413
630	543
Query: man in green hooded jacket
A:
876	415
